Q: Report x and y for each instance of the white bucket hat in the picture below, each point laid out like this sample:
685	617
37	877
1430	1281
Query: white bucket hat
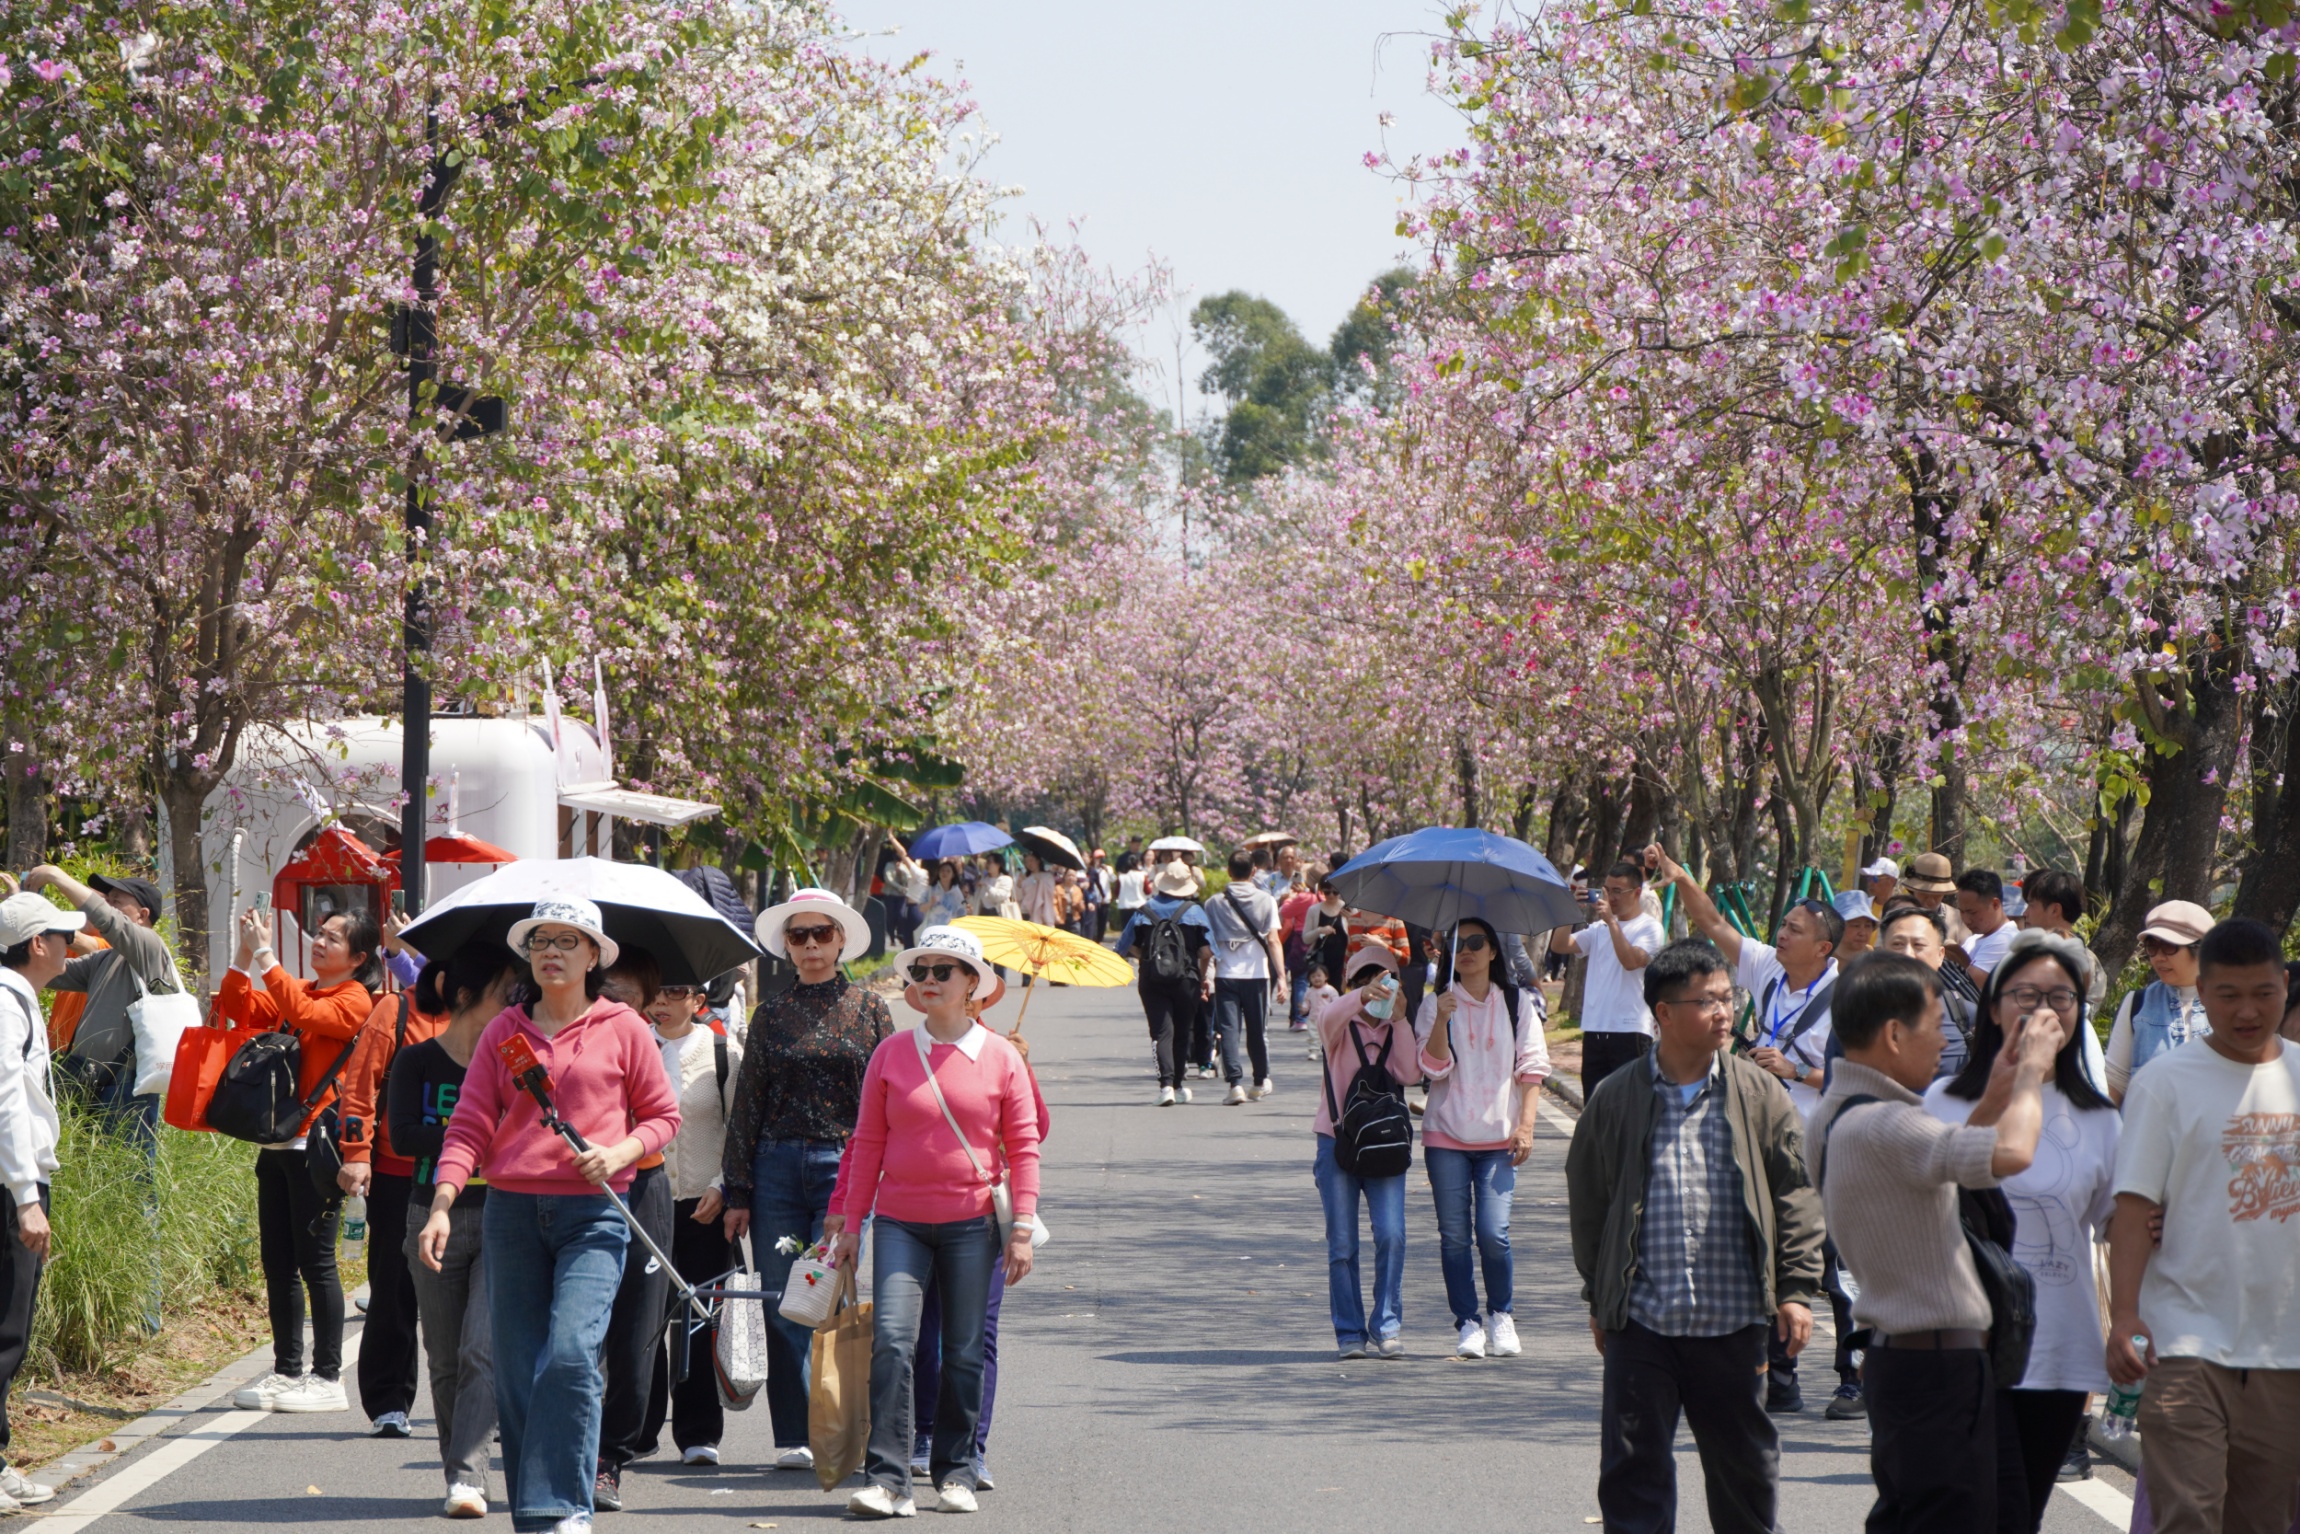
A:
953	943
813	902
1175	880
566	911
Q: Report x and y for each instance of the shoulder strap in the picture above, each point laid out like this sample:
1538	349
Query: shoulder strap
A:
328	1081
1814	1007
32	1019
399	1029
926	1063
1821	1162
719	1064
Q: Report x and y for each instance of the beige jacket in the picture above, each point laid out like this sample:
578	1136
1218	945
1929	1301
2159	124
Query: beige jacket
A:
693	1156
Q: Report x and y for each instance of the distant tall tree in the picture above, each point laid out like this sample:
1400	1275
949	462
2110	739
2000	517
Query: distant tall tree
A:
1362	342
1276	385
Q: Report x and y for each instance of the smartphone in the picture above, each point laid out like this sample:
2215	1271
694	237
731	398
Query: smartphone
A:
399	903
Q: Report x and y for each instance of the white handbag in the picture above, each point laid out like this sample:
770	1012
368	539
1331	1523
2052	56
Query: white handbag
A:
159	1022
809	1291
1001	1195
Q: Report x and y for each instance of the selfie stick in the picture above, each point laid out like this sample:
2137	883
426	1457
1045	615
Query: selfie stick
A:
529	1076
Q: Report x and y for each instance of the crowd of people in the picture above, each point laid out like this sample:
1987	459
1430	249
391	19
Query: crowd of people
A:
1902	1104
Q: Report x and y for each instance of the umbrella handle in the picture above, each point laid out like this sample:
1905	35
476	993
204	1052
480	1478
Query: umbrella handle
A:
1027	992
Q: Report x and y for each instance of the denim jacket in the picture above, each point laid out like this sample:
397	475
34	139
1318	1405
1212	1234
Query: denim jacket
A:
2162	1021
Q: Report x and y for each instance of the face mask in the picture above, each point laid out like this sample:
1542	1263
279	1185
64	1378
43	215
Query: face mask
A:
1378	1007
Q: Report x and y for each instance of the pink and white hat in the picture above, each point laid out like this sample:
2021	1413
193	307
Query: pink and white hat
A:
813	903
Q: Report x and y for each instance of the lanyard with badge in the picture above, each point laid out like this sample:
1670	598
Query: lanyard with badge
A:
1776	1019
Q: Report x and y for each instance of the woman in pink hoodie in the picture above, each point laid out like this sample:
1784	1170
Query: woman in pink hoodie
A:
1483	1052
553	1243
1363	1027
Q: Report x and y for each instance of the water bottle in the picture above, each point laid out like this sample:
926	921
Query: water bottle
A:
2116	1419
355	1227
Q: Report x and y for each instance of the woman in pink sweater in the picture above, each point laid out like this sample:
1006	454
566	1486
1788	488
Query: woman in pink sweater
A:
931	1190
1364	1026
1485	1057
554	1244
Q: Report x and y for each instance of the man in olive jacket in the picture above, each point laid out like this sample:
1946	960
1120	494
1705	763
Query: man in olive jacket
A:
1696	1234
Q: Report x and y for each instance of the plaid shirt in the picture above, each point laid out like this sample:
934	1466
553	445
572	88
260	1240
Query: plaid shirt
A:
1696	1254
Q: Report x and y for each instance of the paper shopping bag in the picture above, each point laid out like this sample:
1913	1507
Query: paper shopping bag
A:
838	1402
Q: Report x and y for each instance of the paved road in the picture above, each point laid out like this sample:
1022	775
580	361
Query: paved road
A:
1168	1367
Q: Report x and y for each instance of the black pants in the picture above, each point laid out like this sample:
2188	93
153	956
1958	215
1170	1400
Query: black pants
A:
701	1253
1840	1312
1169	1013
1718	1383
1604	1053
634	1344
387	1355
295	1237
19	1293
1202	1034
1932	1441
2034	1430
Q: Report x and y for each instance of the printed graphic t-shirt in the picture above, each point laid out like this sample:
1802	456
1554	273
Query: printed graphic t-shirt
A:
2218	1145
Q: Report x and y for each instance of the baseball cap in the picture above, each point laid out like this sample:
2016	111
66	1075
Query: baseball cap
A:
2176	921
1855	906
142	891
1883	868
27	916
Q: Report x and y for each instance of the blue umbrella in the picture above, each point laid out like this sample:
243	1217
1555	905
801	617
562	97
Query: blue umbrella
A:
964	839
1437	876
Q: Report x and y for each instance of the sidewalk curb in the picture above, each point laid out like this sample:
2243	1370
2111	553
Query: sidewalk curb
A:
1566	1089
2124	1454
162	1419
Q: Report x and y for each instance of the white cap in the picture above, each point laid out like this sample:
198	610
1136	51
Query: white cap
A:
1883	868
23	917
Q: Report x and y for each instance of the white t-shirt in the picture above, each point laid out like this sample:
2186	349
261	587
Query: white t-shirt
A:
2218	1145
2061	1203
1784	1014
1613	998
1988	952
1239	952
1130	889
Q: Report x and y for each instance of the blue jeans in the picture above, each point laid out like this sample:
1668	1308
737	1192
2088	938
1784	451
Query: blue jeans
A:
1298	1000
1241	1015
1385	1200
791	1182
1467	1183
554	1262
926	1370
956	1258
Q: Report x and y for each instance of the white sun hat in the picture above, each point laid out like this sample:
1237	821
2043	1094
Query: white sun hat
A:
953	943
567	911
813	902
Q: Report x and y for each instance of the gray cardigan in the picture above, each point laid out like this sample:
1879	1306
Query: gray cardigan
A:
104	1035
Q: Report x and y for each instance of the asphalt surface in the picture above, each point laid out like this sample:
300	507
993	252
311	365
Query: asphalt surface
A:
1169	1366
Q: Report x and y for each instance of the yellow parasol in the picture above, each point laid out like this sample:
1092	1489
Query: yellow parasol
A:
1047	952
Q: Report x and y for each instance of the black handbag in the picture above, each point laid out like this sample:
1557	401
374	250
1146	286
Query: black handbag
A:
256	1098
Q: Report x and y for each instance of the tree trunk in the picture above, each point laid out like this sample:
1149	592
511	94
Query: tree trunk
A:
1604	826
1565	817
27	807
1784	864
1638	825
186	795
2269	888
1876	818
1465	764
2188	770
1930	508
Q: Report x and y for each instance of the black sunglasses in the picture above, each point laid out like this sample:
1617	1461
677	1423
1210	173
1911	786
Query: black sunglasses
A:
1471	942
938	973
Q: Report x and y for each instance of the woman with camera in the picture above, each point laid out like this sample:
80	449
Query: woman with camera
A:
554	1243
295	1219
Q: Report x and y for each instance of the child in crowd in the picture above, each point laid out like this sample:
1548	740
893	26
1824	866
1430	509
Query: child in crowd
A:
1314	999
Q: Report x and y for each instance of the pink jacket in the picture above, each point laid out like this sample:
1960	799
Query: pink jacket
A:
904	1163
607	1081
1474	1095
1342	1056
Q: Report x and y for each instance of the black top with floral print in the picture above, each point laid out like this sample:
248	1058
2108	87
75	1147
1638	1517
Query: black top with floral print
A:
802	1071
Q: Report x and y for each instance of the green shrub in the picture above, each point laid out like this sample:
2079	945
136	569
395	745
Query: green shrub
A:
189	1225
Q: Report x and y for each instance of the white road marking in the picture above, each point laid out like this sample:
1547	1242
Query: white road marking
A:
2103	1499
174	1452
1555	1117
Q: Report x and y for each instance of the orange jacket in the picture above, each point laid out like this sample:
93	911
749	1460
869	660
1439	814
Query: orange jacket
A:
324	1017
365	1130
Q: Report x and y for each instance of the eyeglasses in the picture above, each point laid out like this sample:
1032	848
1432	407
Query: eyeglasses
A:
938	973
810	934
679	992
2027	998
1471	942
1701	1003
566	942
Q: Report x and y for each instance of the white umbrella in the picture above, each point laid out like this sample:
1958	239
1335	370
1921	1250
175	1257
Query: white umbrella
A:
641	906
1178	844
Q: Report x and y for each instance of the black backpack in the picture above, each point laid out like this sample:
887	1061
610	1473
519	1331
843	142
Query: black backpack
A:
1166	953
1987	1218
1373	1128
256	1098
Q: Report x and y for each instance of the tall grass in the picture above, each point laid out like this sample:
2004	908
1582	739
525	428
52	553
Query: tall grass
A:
123	1226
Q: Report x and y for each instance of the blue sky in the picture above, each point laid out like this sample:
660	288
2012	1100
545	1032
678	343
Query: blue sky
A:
1226	139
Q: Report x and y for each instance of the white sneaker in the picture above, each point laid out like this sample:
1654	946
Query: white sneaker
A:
955	1498
878	1502
573	1523
1501	1336
22	1492
1472	1343
1262	1089
392	1424
1165	1097
312	1394
800	1458
1237	1095
1183	1093
464	1502
258	1395
1390	1347
700	1454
